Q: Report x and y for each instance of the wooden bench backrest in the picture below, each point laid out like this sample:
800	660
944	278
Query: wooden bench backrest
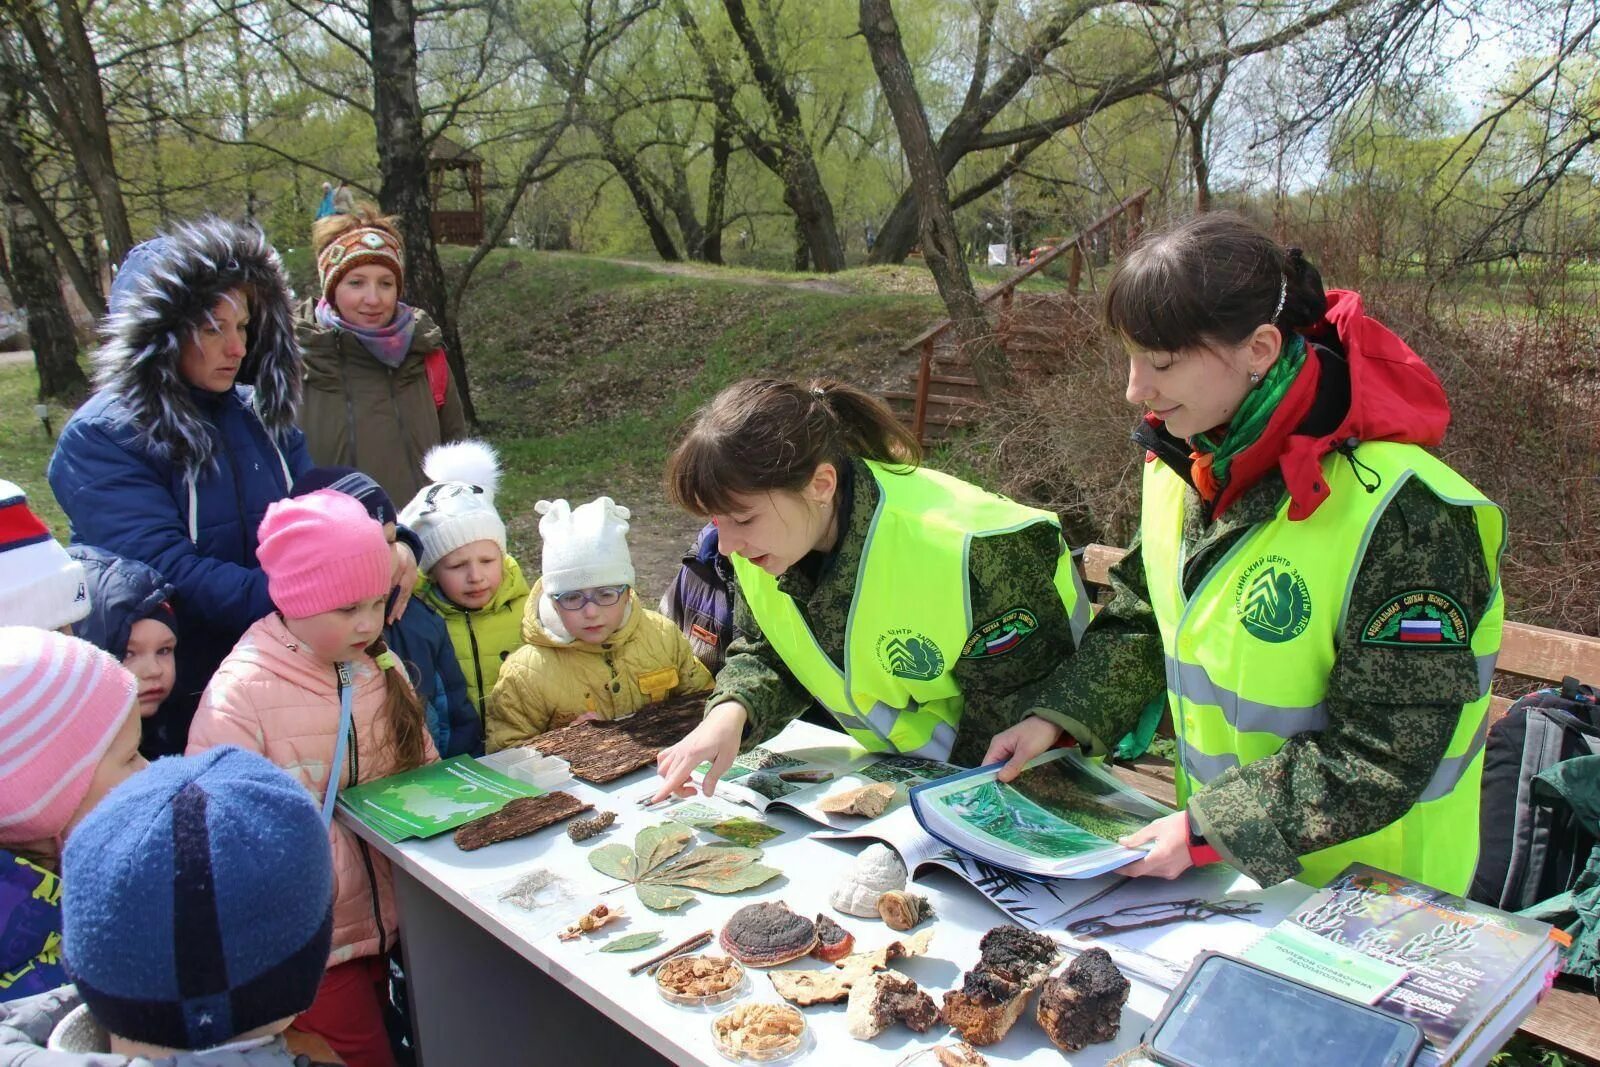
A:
1534	652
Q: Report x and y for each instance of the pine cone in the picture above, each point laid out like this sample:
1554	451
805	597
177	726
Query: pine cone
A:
583	829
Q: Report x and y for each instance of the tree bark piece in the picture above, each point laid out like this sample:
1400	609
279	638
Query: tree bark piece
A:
36	287
519	818
603	751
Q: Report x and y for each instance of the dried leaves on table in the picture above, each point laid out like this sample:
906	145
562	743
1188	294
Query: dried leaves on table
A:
519	818
601	750
663	878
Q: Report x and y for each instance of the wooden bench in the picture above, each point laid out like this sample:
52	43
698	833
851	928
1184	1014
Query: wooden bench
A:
1531	657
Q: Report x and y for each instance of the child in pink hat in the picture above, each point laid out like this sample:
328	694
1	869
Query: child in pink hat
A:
279	693
69	733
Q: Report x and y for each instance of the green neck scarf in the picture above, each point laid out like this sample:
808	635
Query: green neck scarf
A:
1259	403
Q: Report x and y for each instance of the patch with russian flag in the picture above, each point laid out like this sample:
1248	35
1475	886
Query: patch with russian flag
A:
1418	618
1000	635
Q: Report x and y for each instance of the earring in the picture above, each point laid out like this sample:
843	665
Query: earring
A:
1254	377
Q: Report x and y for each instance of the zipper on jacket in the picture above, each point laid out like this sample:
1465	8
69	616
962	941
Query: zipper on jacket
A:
399	423
349	397
238	496
476	666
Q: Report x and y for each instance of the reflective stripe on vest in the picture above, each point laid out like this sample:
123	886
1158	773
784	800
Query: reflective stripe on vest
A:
909	617
1248	656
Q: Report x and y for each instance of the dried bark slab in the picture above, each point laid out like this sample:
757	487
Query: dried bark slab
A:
519	818
806	988
1012	963
605	750
859	964
880	1000
1083	1006
869	800
765	935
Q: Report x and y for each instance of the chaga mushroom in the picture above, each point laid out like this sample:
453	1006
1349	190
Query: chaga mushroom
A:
880	1000
1083	1006
1012	963
834	942
765	935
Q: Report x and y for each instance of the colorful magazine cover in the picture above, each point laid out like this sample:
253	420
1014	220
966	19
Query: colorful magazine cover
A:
1444	963
430	800
1060	818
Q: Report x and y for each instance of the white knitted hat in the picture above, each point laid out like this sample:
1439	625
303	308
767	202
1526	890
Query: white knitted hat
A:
584	546
40	585
458	508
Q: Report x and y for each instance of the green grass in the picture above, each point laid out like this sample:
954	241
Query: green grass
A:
24	446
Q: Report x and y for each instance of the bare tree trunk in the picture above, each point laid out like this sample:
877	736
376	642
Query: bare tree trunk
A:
941	244
403	166
1199	165
37	287
16	168
717	187
67	88
628	171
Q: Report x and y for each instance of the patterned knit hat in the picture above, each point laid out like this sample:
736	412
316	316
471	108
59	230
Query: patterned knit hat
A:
458	508
322	551
363	246
197	901
62	702
40	585
350	482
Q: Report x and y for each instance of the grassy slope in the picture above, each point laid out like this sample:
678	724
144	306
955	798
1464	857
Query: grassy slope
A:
584	371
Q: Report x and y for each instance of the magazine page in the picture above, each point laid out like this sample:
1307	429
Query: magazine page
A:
889	778
776	772
1059	818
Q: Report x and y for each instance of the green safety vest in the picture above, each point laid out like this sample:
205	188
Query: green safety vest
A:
1248	655
910	616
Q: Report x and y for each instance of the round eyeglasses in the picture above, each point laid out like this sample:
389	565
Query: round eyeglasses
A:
603	597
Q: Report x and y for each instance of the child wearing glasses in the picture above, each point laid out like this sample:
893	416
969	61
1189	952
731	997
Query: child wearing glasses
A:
593	651
469	578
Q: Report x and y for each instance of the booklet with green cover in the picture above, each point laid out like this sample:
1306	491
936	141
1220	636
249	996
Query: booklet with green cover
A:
1060	818
432	799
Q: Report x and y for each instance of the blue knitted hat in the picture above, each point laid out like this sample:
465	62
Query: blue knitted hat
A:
198	901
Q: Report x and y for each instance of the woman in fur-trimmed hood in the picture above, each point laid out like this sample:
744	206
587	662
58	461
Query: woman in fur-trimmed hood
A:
174	460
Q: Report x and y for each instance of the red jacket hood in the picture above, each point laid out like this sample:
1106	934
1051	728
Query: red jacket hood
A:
1394	396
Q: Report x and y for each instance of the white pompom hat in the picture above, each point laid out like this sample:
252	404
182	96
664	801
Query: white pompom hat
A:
458	507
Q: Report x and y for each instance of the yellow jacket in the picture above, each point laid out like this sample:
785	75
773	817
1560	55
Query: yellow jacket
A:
548	683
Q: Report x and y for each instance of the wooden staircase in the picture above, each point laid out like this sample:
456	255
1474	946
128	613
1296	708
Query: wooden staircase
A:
944	398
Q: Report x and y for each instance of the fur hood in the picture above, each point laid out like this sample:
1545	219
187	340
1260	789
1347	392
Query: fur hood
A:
173	282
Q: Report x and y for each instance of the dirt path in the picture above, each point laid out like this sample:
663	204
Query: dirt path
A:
724	274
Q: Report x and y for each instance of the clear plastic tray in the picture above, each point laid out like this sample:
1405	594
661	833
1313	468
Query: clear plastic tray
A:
785	1055
708	1000
531	766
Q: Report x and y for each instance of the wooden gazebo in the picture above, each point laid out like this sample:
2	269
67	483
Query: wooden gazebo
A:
455	227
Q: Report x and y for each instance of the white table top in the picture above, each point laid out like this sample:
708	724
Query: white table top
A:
472	881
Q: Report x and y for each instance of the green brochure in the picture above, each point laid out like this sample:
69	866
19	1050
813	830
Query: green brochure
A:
433	799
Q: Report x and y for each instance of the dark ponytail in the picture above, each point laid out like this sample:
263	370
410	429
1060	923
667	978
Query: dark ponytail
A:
765	434
1211	279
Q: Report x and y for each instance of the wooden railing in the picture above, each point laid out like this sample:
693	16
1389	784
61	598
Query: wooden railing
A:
1005	292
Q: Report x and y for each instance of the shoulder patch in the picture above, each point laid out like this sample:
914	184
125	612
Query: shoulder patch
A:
1000	635
1418	618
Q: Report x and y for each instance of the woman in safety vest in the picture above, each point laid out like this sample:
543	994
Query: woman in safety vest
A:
1318	596
922	612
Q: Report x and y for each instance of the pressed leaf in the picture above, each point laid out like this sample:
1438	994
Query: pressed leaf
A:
633	942
663	882
613	860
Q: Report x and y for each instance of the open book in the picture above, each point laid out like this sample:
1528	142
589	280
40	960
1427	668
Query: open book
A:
1059	818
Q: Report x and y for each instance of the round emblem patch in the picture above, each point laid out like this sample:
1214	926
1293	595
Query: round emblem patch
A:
910	655
372	240
1272	600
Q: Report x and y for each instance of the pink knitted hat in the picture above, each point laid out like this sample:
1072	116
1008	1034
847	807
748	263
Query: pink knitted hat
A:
322	551
62	702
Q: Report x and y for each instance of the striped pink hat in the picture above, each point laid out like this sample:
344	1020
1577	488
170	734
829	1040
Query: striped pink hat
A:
62	702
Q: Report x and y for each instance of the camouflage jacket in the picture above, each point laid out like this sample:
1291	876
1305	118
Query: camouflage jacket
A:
1391	709
1005	571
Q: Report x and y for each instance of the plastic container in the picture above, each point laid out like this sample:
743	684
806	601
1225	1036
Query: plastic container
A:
707	1000
783	1054
531	766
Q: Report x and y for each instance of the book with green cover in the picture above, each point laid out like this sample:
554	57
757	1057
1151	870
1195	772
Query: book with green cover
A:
430	800
1408	949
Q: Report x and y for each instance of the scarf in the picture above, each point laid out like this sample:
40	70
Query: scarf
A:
1213	455
388	344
